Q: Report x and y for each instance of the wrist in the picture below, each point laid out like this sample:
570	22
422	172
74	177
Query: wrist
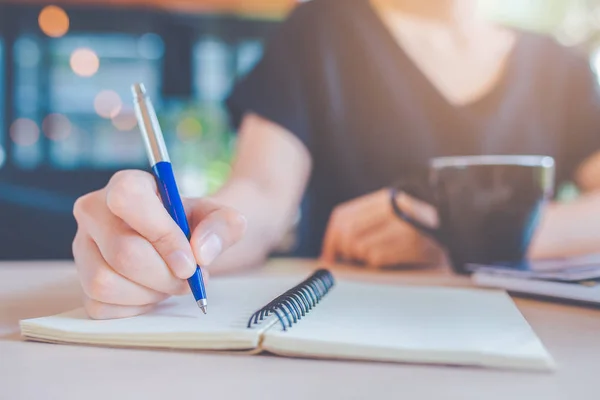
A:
567	229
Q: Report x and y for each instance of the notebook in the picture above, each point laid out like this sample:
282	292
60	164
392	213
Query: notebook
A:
574	269
342	320
585	291
572	279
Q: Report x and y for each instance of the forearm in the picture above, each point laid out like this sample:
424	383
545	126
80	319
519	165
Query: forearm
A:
267	222
269	175
569	229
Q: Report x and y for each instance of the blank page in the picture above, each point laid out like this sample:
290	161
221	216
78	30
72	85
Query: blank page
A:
177	323
414	324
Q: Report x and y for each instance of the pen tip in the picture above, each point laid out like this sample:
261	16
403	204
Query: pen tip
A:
203	305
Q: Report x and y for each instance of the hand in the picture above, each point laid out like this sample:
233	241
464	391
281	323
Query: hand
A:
131	255
366	230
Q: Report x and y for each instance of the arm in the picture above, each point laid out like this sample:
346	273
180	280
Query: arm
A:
129	252
572	229
131	255
268	179
365	229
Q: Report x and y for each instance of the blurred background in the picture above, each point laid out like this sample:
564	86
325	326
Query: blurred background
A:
66	117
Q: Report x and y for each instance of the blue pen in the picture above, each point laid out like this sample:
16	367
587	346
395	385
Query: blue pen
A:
165	179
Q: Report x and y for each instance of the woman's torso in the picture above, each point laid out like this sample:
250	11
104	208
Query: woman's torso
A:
373	117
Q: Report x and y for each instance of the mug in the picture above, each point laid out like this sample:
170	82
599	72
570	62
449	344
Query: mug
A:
488	206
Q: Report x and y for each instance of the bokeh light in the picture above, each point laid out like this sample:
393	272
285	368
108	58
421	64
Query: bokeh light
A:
189	129
108	104
125	121
54	21
56	127
24	132
84	62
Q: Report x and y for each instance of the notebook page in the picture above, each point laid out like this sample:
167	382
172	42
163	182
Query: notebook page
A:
414	324
177	323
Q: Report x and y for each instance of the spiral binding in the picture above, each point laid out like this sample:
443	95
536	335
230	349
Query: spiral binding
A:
294	304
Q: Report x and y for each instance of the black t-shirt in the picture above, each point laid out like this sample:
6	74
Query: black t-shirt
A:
334	76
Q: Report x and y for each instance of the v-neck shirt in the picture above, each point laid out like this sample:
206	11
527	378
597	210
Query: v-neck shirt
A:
333	75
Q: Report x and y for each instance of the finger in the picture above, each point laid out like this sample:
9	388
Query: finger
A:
201	208
425	213
102	311
393	245
103	284
359	224
418	210
375	249
369	211
380	259
129	254
386	253
217	232
329	252
131	196
386	234
359	217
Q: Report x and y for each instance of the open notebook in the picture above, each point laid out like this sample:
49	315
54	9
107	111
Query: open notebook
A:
351	321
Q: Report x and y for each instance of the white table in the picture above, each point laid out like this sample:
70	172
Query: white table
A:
43	371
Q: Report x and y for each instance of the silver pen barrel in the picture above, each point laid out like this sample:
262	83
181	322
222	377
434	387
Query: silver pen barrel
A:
149	126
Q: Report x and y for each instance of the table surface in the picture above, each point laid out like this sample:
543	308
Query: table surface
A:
44	371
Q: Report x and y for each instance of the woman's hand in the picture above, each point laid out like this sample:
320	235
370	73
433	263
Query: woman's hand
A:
131	255
367	231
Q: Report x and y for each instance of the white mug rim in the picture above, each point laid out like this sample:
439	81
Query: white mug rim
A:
511	160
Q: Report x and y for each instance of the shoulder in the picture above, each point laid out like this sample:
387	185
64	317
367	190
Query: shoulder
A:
315	9
548	52
308	27
313	15
541	60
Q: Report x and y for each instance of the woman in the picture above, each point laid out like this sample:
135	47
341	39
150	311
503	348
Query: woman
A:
349	97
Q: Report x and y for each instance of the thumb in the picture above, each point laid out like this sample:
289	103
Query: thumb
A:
215	233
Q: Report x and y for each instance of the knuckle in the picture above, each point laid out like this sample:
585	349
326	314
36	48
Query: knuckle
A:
76	246
337	219
126	188
338	213
101	286
347	236
348	227
81	206
345	220
125	176
235	220
96	310
361	249
374	258
167	240
124	257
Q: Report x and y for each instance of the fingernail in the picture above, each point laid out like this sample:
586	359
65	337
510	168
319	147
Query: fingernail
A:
211	249
181	264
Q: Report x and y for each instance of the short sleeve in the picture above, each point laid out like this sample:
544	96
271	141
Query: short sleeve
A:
276	89
581	138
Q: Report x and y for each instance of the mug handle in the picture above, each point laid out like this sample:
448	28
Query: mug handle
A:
412	190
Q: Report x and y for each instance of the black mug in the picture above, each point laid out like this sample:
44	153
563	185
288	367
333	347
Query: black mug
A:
488	206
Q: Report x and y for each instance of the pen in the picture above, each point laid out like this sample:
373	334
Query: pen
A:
165	179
